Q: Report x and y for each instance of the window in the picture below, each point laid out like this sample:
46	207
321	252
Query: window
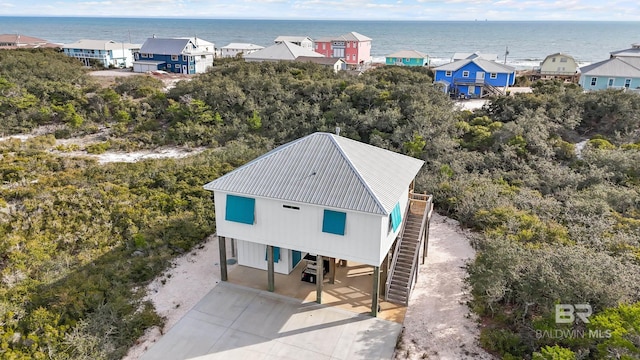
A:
396	217
563	59
553	60
291	207
276	254
447	73
184	57
333	222
324	46
465	73
240	209
174	57
627	83
610	83
168	66
348	44
145	56
407	60
493	76
594	81
191	67
150	56
191	58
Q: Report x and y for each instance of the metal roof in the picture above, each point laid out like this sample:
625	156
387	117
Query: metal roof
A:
409	54
176	46
292	39
282	51
88	44
486	65
474	55
326	170
19	39
352	36
616	67
634	51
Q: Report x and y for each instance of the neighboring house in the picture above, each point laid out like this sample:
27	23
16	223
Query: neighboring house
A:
283	51
337	64
474	78
233	49
302	41
327	196
354	48
613	73
475	55
407	58
106	52
18	41
176	55
559	66
634	51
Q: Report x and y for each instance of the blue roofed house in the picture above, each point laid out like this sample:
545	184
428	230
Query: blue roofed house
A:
407	58
475	77
176	55
330	197
620	71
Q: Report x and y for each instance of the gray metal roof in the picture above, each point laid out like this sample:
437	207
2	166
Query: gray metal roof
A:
474	55
88	44
242	46
281	51
615	67
486	65
326	170
292	39
175	46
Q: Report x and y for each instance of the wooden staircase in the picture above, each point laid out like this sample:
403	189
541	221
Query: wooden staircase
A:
403	271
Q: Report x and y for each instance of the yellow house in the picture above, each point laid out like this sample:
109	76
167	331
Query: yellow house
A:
559	65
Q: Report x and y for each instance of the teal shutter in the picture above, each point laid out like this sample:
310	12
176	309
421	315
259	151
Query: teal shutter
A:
276	254
396	217
334	222
240	209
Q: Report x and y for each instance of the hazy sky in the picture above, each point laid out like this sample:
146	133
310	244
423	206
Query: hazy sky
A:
600	10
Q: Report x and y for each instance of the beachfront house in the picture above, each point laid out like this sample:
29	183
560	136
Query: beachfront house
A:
559	66
107	53
474	78
407	58
325	197
282	51
614	73
474	55
302	41
353	47
176	55
632	52
19	41
239	49
337	64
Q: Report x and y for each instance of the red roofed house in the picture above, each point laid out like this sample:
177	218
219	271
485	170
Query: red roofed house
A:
14	41
354	48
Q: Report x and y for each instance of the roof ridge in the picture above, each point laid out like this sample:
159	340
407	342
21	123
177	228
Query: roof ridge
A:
626	62
355	171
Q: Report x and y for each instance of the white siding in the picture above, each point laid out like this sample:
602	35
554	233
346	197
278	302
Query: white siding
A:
254	255
302	230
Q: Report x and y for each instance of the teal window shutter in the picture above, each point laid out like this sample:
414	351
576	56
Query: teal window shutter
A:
276	254
396	217
334	222
240	209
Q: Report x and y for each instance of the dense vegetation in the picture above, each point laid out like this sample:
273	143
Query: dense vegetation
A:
555	224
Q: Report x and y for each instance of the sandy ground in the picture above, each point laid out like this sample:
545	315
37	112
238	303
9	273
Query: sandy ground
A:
438	324
174	293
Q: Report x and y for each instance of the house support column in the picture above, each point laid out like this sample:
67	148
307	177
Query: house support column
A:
375	292
319	278
384	273
332	270
270	269
222	246
234	251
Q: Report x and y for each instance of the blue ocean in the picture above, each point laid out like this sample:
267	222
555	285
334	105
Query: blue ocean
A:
527	42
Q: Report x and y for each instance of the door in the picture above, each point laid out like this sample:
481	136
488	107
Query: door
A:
480	76
184	69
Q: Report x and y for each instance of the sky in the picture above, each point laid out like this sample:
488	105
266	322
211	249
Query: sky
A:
590	10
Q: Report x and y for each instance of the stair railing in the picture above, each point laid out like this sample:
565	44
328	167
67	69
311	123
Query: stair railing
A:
425	217
396	250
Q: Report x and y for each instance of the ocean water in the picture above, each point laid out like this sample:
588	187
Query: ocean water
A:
528	42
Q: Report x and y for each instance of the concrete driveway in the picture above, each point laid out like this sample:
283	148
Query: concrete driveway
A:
235	322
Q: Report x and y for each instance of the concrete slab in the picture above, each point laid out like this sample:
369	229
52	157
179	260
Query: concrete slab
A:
235	322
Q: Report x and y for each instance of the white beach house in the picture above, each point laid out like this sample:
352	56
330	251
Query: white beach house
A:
328	196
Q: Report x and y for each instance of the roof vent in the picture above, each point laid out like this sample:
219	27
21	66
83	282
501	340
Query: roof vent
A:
338	130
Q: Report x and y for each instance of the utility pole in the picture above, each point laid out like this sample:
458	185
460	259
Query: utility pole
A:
506	52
